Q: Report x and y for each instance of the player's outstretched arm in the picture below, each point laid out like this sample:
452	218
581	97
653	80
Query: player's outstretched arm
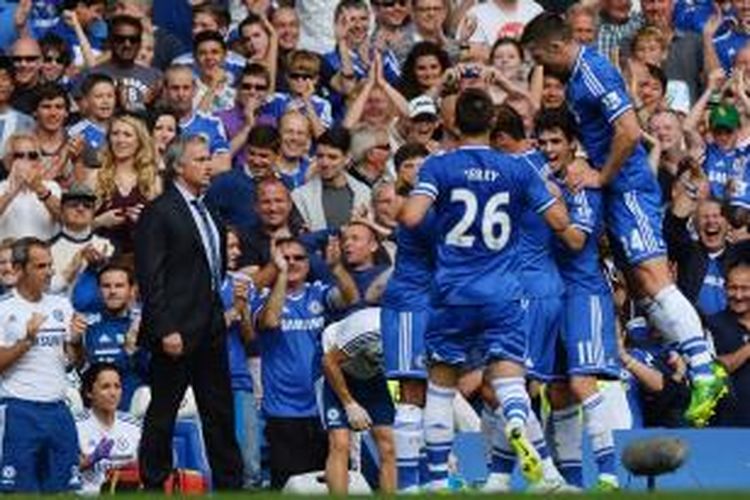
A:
415	209
558	219
627	135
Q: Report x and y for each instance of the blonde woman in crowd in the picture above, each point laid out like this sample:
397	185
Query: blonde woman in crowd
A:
127	181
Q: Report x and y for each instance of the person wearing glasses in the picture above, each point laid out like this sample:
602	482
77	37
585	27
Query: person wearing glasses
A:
290	319
11	120
55	59
137	85
75	248
249	107
29	205
303	73
393	26
27	63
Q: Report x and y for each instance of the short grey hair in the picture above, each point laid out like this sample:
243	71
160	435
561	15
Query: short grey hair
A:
176	150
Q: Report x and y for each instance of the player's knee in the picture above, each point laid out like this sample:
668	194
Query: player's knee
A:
583	387
338	443
558	395
488	394
653	275
413	392
386	449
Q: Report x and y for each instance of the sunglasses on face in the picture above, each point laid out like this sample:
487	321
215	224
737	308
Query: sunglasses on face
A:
389	3
79	203
18	59
295	258
54	60
301	76
253	86
127	38
26	155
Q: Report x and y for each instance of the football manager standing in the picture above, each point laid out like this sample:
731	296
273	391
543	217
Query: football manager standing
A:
180	260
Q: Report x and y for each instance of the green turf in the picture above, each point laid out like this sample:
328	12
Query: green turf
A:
705	494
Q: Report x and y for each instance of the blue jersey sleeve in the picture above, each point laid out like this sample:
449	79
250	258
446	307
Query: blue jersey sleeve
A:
581	206
219	142
538	197
428	183
606	86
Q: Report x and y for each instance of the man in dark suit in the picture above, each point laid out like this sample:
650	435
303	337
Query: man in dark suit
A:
180	260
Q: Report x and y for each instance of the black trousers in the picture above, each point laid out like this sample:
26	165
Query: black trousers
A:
206	369
296	446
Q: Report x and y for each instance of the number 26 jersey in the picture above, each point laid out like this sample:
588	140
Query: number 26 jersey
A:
479	195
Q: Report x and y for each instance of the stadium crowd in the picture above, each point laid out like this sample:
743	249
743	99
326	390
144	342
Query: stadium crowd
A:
409	210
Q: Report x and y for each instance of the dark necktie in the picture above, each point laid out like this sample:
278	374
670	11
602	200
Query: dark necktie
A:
213	251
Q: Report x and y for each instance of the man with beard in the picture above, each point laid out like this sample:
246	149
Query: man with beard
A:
137	85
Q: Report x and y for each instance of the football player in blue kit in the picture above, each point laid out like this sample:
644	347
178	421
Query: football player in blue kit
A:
587	348
543	293
478	194
405	312
611	136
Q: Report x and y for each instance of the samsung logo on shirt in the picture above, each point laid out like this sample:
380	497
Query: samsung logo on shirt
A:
302	324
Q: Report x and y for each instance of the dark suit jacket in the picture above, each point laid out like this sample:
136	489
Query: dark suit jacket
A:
692	257
173	275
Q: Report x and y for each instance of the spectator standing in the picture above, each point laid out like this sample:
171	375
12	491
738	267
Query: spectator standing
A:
684	60
39	443
617	21
179	95
137	85
237	291
501	18
76	248
59	152
249	107
99	98
29	205
27	61
232	193
290	319
126	181
183	321
326	201
295	134
11	120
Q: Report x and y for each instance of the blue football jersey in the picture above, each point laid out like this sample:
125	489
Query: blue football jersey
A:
582	271
292	353
209	127
479	195
721	166
597	96
727	44
94	135
539	274
282	102
410	283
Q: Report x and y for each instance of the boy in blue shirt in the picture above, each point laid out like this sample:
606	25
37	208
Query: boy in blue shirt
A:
99	101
